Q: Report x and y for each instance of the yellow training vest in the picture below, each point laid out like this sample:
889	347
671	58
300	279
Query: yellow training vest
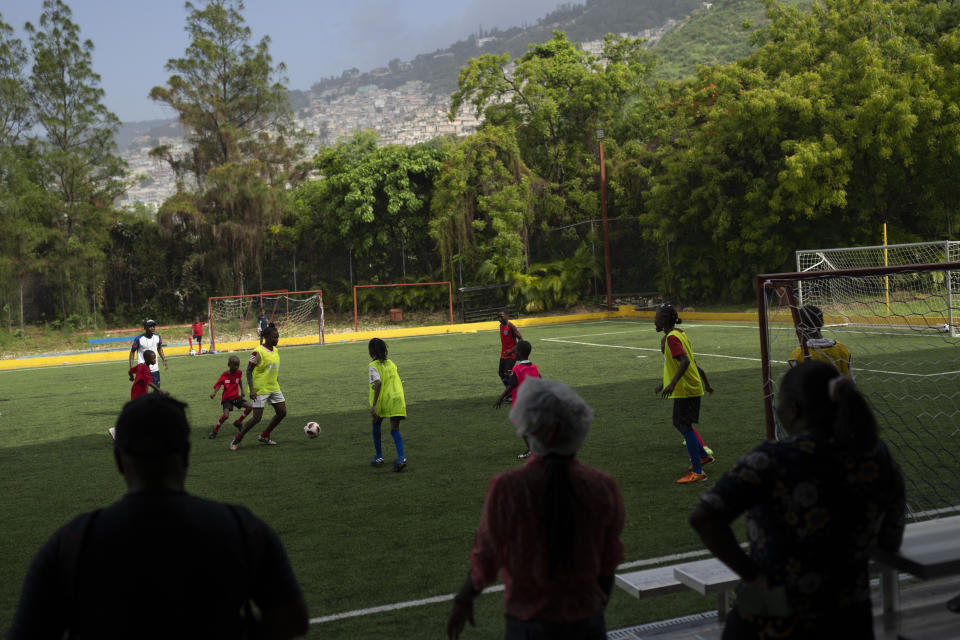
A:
390	402
265	374
689	385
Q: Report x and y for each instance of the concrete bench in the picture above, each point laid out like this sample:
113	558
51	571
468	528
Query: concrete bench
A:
706	577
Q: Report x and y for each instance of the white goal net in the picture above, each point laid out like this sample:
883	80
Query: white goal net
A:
297	314
836	293
895	323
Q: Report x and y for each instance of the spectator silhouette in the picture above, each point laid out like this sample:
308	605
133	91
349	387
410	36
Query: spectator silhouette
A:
160	563
553	527
815	503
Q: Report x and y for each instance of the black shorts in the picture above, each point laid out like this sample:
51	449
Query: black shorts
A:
198	338
228	405
506	364
686	411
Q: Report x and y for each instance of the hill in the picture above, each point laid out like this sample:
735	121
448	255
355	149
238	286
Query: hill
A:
717	33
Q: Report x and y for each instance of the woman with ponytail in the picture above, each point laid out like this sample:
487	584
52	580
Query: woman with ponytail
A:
553	527
815	503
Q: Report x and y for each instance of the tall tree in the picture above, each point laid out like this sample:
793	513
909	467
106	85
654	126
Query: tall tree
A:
230	97
14	98
76	148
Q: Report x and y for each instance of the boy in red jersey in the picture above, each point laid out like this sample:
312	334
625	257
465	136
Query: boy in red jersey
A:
521	371
509	336
232	382
197	328
142	381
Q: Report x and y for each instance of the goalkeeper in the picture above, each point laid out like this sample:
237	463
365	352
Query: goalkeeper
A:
819	348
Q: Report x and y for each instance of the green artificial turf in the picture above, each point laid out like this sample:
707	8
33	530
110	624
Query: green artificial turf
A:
360	537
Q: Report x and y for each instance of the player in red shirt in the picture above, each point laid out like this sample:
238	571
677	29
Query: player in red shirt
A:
197	327
142	381
521	371
232	382
509	336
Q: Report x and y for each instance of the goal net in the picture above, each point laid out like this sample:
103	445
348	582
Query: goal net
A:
834	292
896	323
297	314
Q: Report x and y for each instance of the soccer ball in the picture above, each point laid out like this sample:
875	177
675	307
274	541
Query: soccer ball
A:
311	429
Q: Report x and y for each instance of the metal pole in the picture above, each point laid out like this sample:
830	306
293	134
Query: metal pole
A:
606	233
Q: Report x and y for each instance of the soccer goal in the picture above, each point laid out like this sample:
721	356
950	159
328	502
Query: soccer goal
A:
896	323
833	293
297	314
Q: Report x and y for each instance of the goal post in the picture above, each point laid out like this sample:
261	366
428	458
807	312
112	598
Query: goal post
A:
905	358
938	252
399	285
298	316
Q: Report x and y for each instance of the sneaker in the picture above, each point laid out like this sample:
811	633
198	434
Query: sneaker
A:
704	461
708	450
400	465
523	456
265	440
692	477
213	434
376	462
234	445
113	432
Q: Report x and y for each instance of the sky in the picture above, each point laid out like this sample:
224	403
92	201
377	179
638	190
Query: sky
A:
134	39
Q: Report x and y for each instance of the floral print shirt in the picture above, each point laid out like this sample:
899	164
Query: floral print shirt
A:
812	513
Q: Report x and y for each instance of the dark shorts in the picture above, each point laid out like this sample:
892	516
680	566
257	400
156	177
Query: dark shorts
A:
156	377
686	411
198	338
591	628
506	364
228	405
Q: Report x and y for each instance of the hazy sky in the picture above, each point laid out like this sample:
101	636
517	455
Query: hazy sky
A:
133	39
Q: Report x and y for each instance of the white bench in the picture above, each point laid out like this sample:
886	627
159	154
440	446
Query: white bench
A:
930	549
706	577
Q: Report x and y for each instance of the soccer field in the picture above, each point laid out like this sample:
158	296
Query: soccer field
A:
359	537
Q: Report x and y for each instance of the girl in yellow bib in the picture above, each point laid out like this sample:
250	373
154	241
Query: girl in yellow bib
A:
263	379
685	382
386	401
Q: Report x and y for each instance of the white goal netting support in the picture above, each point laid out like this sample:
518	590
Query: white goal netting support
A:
297	314
904	356
810	260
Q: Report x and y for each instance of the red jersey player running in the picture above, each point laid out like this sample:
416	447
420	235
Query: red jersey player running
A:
520	372
232	382
509	336
142	380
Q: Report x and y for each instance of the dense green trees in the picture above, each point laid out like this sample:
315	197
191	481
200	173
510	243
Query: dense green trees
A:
846	116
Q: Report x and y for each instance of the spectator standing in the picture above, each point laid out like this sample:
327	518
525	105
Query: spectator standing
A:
159	563
815	503
553	527
149	340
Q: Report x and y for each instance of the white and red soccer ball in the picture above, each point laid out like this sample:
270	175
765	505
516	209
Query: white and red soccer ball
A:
311	429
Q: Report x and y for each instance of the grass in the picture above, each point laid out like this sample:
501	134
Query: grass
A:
360	537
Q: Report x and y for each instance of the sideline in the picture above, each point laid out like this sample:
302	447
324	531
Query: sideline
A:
397	606
59	360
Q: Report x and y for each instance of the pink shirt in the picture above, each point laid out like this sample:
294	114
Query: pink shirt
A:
523	370
511	537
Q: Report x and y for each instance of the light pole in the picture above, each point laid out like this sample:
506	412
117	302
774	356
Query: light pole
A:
603	207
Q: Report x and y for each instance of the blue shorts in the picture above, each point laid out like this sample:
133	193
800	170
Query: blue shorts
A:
156	377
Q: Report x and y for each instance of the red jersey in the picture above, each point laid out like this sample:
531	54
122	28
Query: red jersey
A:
523	370
508	338
230	383
197	328
141	380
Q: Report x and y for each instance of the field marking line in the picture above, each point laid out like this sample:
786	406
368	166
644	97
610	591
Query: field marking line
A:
397	606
